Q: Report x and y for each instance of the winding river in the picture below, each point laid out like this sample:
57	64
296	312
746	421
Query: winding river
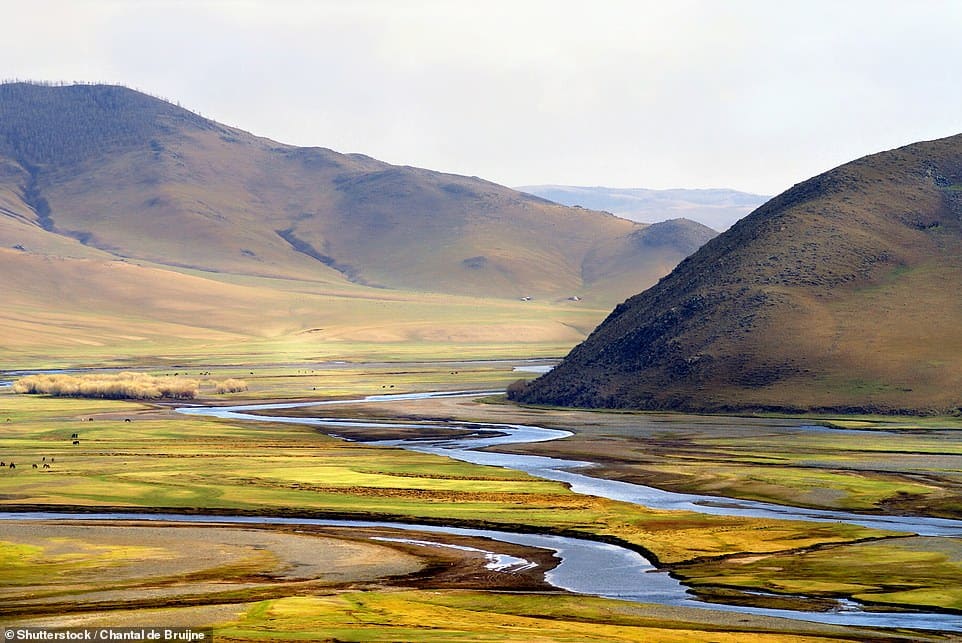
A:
590	567
585	566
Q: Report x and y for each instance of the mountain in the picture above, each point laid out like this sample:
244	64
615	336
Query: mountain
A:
92	175
838	295
715	208
136	177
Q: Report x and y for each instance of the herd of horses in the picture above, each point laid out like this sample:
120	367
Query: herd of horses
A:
43	464
46	465
12	465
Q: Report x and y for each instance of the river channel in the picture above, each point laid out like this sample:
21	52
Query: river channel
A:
586	566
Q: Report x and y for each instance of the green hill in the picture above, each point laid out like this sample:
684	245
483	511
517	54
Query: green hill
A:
839	294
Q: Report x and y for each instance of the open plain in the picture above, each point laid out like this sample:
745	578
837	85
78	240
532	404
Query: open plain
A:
251	582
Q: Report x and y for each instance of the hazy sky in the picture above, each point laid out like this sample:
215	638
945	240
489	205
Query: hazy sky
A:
754	95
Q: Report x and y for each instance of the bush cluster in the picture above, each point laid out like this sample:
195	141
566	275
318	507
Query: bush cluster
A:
516	389
230	386
114	386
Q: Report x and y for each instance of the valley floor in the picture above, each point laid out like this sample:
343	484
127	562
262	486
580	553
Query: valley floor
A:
329	584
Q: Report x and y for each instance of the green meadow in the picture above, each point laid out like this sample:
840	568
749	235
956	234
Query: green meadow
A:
474	616
142	456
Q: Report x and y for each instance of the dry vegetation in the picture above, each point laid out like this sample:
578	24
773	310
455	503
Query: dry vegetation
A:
115	386
153	312
230	385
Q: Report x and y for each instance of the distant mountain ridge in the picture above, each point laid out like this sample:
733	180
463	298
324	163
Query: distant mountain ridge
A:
837	295
716	208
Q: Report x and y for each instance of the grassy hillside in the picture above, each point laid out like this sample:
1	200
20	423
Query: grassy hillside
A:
139	178
837	294
92	177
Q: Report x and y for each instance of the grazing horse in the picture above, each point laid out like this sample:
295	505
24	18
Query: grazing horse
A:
76	441
13	466
2	463
35	466
46	466
126	419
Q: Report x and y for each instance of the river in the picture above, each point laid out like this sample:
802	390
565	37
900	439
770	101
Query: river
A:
595	568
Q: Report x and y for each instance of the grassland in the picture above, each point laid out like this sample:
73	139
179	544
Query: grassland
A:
920	572
860	463
387	616
257	584
161	460
472	616
160	315
907	472
900	467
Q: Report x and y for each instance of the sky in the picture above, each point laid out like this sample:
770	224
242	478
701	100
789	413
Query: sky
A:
754	95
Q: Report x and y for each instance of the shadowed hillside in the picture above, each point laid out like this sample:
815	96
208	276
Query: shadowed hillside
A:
838	294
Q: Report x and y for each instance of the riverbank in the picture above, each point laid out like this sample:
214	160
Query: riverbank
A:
578	569
78	562
869	465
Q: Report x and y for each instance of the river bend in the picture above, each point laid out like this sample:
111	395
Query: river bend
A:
590	567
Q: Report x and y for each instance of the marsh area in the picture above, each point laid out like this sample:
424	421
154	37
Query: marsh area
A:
146	457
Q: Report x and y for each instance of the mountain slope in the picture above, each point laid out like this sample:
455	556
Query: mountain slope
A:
838	294
131	226
715	208
135	177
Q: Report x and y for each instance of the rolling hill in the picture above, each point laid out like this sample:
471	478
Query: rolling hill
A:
716	208
92	175
837	295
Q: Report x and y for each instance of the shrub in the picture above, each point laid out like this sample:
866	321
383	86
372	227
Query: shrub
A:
230	386
516	388
114	386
